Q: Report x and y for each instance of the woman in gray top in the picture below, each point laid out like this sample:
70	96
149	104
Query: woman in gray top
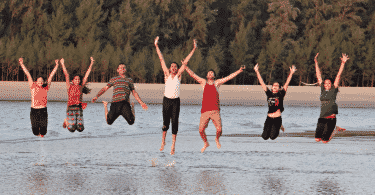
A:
327	119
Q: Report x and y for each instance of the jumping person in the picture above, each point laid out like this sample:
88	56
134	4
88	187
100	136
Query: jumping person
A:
211	103
75	107
39	89
122	87
329	109
275	99
171	100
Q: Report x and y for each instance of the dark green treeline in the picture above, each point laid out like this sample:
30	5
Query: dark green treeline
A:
274	33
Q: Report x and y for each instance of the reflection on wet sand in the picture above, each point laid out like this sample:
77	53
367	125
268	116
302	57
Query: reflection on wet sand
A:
74	181
328	186
118	184
170	179
272	185
38	181
210	182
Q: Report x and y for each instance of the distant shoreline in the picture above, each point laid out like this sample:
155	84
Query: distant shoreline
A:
191	94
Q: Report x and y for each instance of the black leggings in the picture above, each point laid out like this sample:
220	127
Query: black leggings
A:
39	121
325	128
171	110
271	128
120	108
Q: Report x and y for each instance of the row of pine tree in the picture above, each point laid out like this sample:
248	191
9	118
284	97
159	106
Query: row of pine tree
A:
274	33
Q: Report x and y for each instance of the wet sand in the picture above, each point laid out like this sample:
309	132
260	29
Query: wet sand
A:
192	94
310	134
118	164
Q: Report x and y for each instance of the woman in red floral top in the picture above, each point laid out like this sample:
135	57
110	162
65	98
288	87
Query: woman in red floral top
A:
74	112
39	89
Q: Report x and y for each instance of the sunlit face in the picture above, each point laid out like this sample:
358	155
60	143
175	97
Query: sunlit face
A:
40	81
76	80
275	87
173	69
121	69
327	84
210	75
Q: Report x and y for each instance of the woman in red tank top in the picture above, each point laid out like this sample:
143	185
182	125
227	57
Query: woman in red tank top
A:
75	107
39	89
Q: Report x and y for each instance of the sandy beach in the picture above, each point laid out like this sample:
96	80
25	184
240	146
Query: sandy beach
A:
122	165
124	159
192	94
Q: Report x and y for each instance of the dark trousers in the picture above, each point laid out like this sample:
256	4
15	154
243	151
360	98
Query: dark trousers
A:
271	128
120	108
325	128
39	121
171	110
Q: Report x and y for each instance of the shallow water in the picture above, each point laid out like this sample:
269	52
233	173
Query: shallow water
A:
123	159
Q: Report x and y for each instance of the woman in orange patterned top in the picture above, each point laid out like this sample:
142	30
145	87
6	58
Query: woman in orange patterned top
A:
39	89
74	111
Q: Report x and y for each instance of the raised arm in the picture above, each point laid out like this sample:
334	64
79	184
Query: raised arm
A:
231	76
196	77
88	71
318	73
256	68
29	78
65	73
293	69
186	60
52	73
343	61
162	62
136	96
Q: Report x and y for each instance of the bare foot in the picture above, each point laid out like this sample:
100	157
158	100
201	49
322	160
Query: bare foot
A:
162	146
204	147
340	129
65	123
318	139
172	150
217	143
282	128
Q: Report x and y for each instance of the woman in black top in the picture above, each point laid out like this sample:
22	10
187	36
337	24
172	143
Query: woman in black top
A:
275	105
327	119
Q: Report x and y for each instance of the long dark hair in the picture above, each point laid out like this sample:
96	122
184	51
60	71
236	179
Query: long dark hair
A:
85	89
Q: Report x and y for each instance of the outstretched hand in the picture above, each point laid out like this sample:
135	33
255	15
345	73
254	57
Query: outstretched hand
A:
242	68
57	62
195	44
293	69
144	106
94	99
62	60
344	58
92	59
20	60
156	41
256	68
